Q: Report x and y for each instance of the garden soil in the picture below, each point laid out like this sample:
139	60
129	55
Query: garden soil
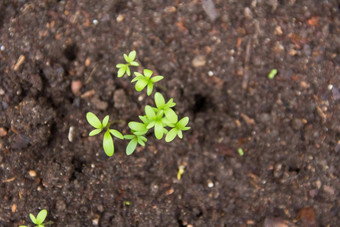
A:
57	62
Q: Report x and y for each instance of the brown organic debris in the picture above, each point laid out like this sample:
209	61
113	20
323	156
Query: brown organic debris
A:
17	65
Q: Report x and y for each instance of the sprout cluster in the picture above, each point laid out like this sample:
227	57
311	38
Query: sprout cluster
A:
161	117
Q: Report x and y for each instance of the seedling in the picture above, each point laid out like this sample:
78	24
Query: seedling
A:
39	220
145	80
130	61
240	151
127	203
272	73
180	172
108	144
160	118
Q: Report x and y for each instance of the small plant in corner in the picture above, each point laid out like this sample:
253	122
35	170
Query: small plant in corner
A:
39	220
161	118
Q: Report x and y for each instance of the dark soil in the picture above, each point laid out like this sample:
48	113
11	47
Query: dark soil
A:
216	69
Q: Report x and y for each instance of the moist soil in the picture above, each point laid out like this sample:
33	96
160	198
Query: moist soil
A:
57	62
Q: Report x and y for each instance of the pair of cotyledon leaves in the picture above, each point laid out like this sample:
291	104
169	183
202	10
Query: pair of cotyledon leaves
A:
39	220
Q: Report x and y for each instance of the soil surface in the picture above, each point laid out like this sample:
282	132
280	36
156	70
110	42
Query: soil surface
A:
57	62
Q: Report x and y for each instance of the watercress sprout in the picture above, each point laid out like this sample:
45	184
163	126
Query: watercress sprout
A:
108	143
39	220
166	107
145	80
161	118
130	61
177	129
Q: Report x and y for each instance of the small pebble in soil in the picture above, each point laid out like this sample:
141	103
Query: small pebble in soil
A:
32	173
3	132
2	92
209	9
14	208
71	133
120	18
199	61
210	184
76	86
329	190
99	104
2	48
95	221
210	73
170	9
95	22
276	222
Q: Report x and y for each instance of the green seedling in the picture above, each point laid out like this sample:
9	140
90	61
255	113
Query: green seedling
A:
108	144
180	172
240	151
166	107
272	73
130	61
146	81
177	130
39	220
162	118
127	203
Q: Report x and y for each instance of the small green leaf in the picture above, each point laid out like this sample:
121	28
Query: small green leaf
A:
147	73
150	113
120	66
131	146
144	119
140	85
159	130
183	122
137	126
180	134
151	124
117	134
140	133
129	137
240	151
141	142
105	121
121	71
132	55
156	79
159	100
93	120
134	63
137	74
108	144
170	136
41	217
185	128
272	74
95	132
150	88
170	103
33	219
128	71
127	59
171	115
